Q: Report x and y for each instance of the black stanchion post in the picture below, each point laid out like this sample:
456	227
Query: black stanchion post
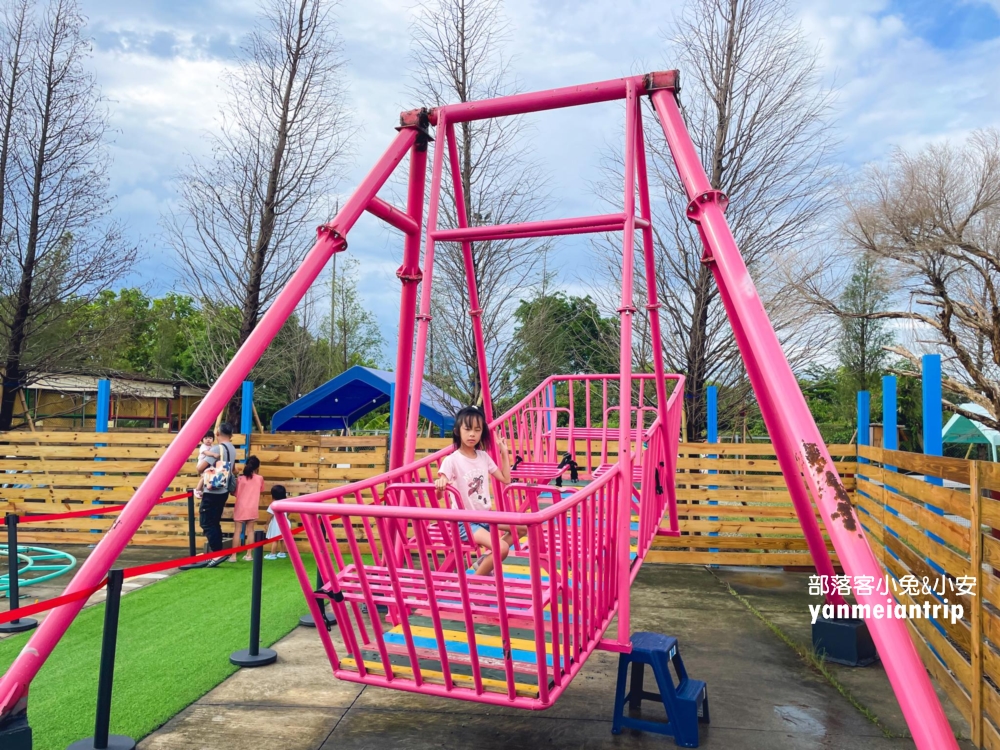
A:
307	620
255	656
13	590
102	740
192	537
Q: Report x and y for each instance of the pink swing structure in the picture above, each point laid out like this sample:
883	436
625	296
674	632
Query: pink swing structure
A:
519	636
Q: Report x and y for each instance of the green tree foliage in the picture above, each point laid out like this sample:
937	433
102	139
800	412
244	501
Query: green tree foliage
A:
560	334
351	330
861	349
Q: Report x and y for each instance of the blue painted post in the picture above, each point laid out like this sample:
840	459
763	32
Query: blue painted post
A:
392	401
101	425
864	424
931	382
246	414
712	436
930	379
890	430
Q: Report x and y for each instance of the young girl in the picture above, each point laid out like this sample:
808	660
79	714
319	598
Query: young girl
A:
206	444
468	470
248	489
277	547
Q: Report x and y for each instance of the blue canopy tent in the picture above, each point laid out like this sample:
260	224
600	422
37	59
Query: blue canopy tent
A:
339	403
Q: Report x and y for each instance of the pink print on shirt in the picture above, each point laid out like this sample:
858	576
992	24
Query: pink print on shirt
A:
470	477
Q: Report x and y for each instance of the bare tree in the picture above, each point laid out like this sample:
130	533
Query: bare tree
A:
932	219
246	215
758	116
352	331
59	248
459	57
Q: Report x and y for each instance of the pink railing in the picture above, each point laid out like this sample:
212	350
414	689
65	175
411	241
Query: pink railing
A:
562	588
393	542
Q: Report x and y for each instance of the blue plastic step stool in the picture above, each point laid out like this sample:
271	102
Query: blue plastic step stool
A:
686	704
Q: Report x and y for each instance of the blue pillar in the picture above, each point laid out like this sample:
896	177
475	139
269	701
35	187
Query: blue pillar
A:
103	405
246	414
864	427
931	382
890	430
712	436
101	425
392	401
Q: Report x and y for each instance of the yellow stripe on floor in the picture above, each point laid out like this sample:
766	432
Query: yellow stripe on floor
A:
437	678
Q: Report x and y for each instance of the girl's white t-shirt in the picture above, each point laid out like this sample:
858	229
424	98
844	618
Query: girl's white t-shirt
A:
470	477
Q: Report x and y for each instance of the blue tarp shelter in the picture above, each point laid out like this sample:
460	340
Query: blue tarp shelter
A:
339	403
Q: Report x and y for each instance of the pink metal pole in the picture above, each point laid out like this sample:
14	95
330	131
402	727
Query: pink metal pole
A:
424	318
539	101
793	425
391	215
475	309
542	228
626	311
409	275
17	678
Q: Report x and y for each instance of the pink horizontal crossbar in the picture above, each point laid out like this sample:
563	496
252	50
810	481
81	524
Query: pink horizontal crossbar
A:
540	101
392	215
543	228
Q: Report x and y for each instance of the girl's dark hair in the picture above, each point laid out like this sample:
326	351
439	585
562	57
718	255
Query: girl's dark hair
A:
251	466
278	492
470	416
209	434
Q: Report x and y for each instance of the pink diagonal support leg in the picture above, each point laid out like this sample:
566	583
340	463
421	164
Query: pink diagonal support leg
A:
15	682
789	421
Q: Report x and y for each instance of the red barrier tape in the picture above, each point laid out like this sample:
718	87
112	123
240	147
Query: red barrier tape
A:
96	510
140	570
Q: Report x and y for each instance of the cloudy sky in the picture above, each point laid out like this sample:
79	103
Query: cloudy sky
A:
907	72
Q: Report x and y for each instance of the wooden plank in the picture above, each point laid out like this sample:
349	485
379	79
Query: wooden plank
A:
756	559
951	684
736	464
750	449
954	469
951	532
951	501
739	496
741	527
914	536
731	542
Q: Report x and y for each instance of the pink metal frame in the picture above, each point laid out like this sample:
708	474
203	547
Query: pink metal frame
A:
578	545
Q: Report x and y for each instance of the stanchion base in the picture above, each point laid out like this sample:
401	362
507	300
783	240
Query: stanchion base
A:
18	626
307	621
115	742
242	658
193	566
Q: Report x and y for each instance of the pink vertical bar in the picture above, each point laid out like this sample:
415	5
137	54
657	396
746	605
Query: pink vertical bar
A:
470	624
409	273
15	681
538	614
502	615
554	608
402	610
424	318
470	274
303	578
793	425
625	372
432	604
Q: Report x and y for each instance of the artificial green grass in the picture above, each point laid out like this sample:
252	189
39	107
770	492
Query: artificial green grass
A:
174	641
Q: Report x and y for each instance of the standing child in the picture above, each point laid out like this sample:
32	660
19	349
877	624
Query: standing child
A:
247	508
468	470
277	547
205	447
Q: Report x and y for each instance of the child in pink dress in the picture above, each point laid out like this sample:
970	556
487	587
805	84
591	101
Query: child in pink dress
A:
248	489
468	470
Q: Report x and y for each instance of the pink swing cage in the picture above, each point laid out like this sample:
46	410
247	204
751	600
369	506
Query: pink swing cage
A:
389	544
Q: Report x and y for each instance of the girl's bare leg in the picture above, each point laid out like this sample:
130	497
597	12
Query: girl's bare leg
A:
248	525
483	539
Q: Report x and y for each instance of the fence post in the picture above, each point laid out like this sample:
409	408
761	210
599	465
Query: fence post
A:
307	620
712	436
102	740
192	537
255	656
13	584
976	615
246	415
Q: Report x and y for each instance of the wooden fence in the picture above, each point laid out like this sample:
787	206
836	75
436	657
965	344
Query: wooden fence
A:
938	520
735	509
926	517
55	472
